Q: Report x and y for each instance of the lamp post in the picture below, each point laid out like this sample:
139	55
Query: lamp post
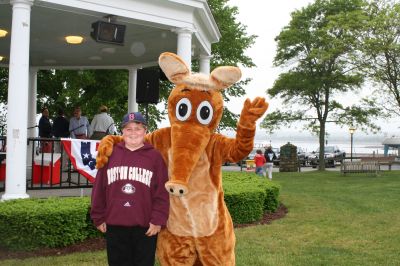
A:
351	130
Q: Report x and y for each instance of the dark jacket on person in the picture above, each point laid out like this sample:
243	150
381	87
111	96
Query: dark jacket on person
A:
44	127
130	189
61	127
269	155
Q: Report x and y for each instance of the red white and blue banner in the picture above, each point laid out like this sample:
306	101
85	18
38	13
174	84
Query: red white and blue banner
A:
82	153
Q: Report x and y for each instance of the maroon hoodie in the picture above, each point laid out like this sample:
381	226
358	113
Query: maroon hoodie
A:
129	190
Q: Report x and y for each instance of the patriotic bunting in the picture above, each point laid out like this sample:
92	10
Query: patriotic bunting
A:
82	153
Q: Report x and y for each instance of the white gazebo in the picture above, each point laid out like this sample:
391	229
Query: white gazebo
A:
35	39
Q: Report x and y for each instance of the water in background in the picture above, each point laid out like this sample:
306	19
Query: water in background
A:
362	144
359	147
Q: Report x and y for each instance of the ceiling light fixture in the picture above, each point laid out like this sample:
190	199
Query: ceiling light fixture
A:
3	33
74	39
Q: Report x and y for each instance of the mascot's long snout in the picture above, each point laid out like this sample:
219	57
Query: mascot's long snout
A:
188	144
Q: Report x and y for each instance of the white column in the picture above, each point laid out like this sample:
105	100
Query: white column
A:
17	114
205	64
185	45
32	129
132	105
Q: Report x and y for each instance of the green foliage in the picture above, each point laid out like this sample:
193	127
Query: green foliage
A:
318	49
87	88
332	220
230	51
380	47
57	222
234	40
53	222
248	196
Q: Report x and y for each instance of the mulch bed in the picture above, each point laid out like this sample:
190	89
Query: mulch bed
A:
94	244
268	217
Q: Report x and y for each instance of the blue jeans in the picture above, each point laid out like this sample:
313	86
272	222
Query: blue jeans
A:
259	170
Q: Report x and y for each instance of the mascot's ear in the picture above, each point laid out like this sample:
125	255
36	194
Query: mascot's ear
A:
224	76
173	67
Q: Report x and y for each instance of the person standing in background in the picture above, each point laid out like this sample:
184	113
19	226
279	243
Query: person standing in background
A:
61	125
61	130
102	124
45	130
45	124
259	161
270	156
79	126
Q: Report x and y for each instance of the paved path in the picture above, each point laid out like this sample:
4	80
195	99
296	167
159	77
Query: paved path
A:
78	192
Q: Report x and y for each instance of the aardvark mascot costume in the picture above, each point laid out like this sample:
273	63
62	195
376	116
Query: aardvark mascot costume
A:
199	229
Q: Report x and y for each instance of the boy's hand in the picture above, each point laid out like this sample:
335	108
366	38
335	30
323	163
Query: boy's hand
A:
102	228
153	230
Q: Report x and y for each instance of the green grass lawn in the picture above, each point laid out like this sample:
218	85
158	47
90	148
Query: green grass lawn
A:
332	220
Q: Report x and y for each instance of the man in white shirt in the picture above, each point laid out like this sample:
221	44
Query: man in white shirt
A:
102	124
79	126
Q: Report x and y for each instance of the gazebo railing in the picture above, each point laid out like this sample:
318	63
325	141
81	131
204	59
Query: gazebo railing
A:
49	167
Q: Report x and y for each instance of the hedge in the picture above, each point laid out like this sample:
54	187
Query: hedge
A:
248	196
28	224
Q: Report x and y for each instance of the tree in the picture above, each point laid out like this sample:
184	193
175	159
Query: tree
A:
87	88
229	51
381	53
318	49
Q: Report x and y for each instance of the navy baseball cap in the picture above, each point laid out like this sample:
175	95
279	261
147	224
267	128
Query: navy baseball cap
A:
133	117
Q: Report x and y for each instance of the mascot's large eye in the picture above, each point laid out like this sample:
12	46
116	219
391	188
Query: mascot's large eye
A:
183	109
205	113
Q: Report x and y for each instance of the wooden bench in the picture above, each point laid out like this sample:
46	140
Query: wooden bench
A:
370	167
388	160
389	164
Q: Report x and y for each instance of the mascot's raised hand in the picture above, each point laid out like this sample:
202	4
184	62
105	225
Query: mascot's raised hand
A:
199	229
252	111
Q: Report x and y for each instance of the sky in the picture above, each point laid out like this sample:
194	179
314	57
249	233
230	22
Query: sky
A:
266	19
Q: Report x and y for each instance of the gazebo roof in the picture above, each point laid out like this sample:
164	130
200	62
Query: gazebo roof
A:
149	31
393	141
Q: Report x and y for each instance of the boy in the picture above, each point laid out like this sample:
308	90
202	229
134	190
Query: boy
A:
129	200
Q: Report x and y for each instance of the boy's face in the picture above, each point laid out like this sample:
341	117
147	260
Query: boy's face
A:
133	134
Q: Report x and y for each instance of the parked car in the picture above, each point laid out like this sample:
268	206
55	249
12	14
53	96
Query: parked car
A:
332	154
302	156
253	153
250	156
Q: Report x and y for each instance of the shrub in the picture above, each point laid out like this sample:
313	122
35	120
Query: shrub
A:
28	224
53	222
248	196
